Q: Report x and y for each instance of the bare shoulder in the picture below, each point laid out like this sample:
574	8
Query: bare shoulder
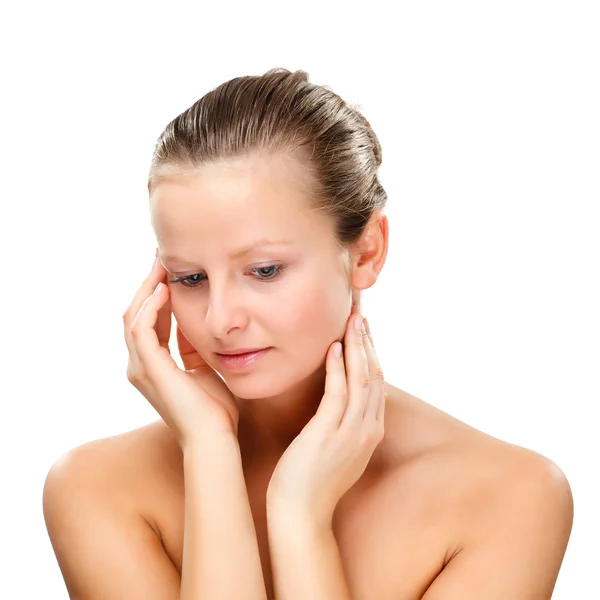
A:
98	514
480	484
418	430
127	466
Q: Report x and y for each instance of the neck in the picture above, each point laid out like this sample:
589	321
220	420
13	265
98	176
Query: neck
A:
267	426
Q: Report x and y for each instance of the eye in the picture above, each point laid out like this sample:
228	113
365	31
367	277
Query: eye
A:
266	273
188	281
269	274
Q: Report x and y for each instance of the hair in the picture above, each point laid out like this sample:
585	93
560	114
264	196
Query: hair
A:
281	111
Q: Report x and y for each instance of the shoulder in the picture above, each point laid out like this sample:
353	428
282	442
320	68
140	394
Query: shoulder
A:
500	481
509	520
121	467
96	520
473	484
514	488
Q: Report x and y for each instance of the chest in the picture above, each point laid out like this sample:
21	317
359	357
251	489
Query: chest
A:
391	547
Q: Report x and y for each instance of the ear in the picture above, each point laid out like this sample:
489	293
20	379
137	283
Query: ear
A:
369	253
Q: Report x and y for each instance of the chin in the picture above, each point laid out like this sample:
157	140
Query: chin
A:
253	386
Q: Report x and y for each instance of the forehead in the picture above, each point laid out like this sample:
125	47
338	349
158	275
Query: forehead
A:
232	200
234	179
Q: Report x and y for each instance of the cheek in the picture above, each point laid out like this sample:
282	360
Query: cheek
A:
314	313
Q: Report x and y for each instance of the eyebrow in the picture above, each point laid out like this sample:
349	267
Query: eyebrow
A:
236	253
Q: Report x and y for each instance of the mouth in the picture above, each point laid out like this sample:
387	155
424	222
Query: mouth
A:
240	351
243	360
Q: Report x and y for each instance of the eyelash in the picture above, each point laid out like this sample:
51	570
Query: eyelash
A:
277	273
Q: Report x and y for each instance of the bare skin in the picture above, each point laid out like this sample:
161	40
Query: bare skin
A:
442	511
416	506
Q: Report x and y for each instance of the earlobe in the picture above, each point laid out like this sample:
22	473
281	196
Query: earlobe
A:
364	276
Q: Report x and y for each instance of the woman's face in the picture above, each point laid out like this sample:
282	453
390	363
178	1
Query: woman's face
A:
292	296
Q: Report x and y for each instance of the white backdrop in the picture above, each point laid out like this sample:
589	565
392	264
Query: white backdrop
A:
487	306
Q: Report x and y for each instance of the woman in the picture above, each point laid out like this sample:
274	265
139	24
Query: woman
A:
288	471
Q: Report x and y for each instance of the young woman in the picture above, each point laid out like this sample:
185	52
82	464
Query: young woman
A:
284	465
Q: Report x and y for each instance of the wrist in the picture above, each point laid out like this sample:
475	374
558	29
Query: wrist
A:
210	444
283	514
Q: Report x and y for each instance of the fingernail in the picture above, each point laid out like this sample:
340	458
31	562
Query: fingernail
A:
358	323
367	326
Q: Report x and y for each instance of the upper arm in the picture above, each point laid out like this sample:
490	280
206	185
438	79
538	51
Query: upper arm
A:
105	550
519	553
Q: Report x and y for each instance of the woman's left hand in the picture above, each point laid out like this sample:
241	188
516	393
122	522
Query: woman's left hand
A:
332	451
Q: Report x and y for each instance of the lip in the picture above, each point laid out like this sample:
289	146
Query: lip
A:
235	362
239	351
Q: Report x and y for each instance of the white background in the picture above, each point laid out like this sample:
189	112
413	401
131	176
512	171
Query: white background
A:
487	307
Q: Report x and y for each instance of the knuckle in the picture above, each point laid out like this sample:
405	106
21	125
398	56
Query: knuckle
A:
131	375
378	372
366	380
374	435
136	376
369	437
340	396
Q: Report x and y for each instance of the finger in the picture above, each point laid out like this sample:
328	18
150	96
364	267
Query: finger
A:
381	409
189	355
143	333
357	374
376	375
157	273
164	320
332	406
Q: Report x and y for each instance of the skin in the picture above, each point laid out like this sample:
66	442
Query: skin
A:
201	215
442	510
204	214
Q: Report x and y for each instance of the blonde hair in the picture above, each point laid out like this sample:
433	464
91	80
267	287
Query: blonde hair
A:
281	111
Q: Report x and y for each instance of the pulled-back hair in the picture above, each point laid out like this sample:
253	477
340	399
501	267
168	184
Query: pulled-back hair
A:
279	112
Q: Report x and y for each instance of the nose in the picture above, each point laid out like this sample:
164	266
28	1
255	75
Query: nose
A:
225	311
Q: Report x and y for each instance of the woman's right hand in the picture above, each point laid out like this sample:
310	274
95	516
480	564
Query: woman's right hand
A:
193	402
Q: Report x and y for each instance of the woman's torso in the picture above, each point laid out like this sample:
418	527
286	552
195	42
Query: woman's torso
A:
418	503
